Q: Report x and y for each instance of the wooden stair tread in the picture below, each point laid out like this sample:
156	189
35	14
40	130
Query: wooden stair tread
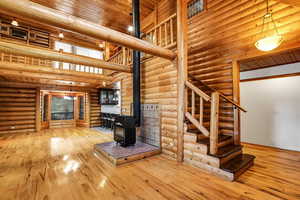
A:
238	163
195	131
220	139
227	150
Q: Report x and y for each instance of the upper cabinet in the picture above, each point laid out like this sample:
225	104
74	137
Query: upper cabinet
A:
109	96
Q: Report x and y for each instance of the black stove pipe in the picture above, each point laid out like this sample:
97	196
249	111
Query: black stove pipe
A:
136	64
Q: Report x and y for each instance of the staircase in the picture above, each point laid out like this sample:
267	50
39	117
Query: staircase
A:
209	142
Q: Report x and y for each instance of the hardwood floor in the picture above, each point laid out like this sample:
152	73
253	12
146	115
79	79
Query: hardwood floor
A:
60	164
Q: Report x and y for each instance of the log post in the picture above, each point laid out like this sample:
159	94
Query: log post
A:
214	122
124	56
182	73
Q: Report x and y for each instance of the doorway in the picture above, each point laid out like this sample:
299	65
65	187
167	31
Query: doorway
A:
269	91
64	109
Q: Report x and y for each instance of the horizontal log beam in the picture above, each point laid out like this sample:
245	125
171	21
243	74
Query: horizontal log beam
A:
59	19
50	70
48	86
14	73
37	52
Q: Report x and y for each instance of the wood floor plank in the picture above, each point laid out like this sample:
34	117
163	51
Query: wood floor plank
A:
61	164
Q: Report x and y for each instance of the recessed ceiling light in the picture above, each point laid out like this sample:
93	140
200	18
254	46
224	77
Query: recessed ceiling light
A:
130	28
101	45
14	23
61	35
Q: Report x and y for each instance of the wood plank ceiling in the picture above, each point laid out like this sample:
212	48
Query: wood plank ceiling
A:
113	13
286	57
290	2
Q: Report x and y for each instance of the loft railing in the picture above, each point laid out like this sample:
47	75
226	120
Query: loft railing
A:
123	57
214	101
5	57
163	34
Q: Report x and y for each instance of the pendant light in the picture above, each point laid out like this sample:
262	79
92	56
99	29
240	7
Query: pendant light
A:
271	38
61	35
14	22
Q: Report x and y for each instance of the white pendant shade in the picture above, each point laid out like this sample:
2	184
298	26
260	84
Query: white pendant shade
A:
269	43
14	23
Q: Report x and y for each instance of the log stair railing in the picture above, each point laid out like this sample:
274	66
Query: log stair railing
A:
11	58
215	140
191	116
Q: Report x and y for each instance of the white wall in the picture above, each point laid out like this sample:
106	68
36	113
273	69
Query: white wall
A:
273	117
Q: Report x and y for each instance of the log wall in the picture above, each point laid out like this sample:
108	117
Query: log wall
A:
17	110
227	31
95	109
158	85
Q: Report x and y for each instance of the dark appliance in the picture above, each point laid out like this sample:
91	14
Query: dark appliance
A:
124	130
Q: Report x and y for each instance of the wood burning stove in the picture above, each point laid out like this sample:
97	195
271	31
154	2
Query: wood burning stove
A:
124	130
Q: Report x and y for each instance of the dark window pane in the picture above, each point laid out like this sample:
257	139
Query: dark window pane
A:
195	7
45	107
62	108
81	108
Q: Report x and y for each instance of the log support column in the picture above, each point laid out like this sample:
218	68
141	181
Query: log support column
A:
182	72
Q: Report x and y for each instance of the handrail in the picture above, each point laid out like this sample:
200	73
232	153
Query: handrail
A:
221	94
198	123
197	91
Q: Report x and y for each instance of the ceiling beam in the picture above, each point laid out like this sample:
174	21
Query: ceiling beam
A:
37	52
66	78
59	19
50	70
50	86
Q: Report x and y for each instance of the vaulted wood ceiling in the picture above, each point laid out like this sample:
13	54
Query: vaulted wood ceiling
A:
114	14
290	2
111	13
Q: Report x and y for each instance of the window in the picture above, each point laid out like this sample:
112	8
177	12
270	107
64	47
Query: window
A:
195	7
78	51
62	108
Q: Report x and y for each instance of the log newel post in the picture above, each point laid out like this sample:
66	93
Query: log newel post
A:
214	122
181	74
136	64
